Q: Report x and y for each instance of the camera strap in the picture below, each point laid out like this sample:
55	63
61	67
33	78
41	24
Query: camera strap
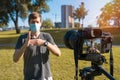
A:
76	61
78	46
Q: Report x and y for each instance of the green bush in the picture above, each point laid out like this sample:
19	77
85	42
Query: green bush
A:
58	35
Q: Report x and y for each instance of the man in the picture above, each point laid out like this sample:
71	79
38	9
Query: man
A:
35	47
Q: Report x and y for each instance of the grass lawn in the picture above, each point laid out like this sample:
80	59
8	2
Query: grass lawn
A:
63	67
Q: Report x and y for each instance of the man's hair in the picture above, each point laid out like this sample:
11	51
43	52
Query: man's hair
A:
34	15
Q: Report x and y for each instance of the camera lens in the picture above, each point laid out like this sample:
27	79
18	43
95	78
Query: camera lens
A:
70	38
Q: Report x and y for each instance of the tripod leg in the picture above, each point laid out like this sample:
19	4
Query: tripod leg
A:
87	73
111	62
87	78
106	74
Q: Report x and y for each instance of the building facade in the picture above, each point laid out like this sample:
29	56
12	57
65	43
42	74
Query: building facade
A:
67	16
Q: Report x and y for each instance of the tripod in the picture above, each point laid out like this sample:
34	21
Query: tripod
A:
89	73
96	69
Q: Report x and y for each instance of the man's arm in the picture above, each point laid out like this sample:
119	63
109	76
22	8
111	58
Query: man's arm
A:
18	52
53	48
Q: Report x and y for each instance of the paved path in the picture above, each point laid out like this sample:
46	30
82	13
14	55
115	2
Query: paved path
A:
5	45
13	45
59	45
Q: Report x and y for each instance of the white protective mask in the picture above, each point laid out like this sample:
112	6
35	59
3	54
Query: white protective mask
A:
35	27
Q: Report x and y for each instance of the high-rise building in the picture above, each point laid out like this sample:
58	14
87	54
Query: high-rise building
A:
67	16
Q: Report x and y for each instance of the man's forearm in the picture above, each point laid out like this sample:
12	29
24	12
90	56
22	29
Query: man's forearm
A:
18	53
54	49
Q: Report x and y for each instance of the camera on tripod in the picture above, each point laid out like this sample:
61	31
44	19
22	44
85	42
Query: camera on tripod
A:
89	44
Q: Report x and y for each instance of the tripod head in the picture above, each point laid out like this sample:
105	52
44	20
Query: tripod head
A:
89	44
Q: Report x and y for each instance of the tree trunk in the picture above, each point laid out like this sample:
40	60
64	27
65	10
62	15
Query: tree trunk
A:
16	23
79	24
82	24
16	28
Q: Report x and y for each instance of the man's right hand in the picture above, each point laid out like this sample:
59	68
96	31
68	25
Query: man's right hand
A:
27	43
18	52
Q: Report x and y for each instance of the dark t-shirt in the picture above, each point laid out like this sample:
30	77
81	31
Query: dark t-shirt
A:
36	59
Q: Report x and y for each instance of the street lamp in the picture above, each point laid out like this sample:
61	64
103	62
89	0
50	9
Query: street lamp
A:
55	16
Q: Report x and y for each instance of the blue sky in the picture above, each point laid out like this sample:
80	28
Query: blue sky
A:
93	6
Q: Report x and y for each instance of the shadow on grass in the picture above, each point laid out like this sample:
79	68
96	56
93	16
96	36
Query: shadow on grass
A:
8	40
6	47
8	43
7	33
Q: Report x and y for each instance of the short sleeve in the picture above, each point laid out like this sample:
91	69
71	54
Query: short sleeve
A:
20	41
50	38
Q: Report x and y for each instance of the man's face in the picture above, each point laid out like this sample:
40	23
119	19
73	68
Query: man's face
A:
35	24
36	20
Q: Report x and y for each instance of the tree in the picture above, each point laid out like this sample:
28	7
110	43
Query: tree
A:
47	23
80	13
110	12
13	9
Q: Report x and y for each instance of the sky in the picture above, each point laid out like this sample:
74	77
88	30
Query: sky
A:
93	6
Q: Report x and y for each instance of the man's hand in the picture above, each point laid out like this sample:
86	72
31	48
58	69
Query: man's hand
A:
18	52
27	43
36	42
33	42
